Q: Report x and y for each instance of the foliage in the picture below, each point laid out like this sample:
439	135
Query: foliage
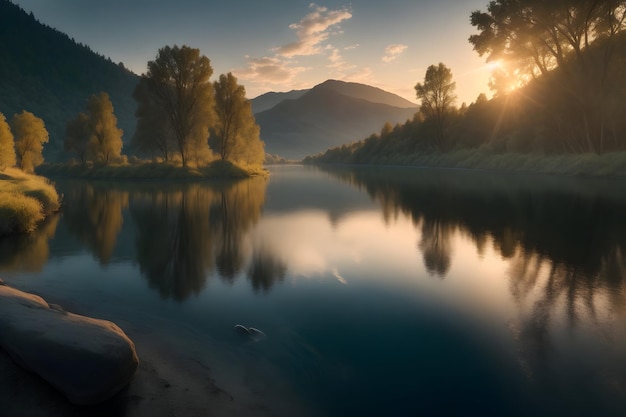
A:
24	201
236	134
437	97
7	145
177	86
105	139
154	133
571	50
77	135
49	74
30	135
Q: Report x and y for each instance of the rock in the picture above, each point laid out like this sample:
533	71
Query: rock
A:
242	329
254	334
87	360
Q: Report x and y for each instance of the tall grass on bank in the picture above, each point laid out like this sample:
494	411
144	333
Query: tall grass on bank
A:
150	171
611	164
25	200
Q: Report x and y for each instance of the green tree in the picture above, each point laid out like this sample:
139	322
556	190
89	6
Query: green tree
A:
7	145
236	132
30	135
105	141
437	98
551	42
77	136
179	88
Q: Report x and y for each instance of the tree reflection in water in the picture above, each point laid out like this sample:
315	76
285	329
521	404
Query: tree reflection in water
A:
93	213
564	239
184	235
28	252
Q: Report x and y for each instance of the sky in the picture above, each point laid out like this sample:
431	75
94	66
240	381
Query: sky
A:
282	45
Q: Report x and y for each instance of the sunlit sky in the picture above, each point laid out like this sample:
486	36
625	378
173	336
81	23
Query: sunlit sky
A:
286	44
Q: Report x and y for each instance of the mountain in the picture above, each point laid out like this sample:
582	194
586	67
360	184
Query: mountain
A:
330	114
46	73
268	100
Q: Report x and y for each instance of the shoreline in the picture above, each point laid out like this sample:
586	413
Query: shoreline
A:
180	374
608	165
151	171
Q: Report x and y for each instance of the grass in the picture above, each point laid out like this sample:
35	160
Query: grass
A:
151	171
611	164
25	200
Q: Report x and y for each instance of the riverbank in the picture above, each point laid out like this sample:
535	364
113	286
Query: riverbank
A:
151	171
611	164
25	200
180	373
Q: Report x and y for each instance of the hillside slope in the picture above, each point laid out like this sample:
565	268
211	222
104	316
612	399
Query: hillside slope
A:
325	117
45	72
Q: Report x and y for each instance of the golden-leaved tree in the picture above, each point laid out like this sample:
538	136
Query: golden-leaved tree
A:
30	135
236	135
93	135
7	145
105	141
177	92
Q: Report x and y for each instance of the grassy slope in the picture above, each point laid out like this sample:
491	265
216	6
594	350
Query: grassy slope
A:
24	201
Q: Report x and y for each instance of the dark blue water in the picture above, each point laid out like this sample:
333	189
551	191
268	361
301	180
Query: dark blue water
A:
382	292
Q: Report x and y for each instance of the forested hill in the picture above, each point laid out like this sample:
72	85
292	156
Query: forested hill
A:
45	72
330	114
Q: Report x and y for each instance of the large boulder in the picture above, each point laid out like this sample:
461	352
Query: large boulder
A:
88	360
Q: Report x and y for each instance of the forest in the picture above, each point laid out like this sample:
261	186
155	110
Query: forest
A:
559	87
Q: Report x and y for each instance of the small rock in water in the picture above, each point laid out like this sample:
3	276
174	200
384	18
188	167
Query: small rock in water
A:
241	329
253	333
256	333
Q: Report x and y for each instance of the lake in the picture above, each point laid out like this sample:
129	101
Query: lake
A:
381	291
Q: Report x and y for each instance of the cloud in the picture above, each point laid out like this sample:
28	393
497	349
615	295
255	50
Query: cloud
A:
363	76
337	64
393	51
272	70
312	30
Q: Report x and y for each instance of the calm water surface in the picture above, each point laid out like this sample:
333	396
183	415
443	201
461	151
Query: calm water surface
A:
381	291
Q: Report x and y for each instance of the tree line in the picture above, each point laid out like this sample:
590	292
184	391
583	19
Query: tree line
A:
559	87
181	115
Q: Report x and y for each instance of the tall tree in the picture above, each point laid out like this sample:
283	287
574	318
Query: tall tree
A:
77	136
180	89
551	41
105	142
7	145
437	98
236	132
154	133
30	135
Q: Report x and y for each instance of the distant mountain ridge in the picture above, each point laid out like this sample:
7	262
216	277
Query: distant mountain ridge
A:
46	73
268	100
330	114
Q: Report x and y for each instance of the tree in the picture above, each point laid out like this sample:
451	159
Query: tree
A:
7	145
178	87
30	135
105	141
569	45
154	132
437	97
236	132
77	135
